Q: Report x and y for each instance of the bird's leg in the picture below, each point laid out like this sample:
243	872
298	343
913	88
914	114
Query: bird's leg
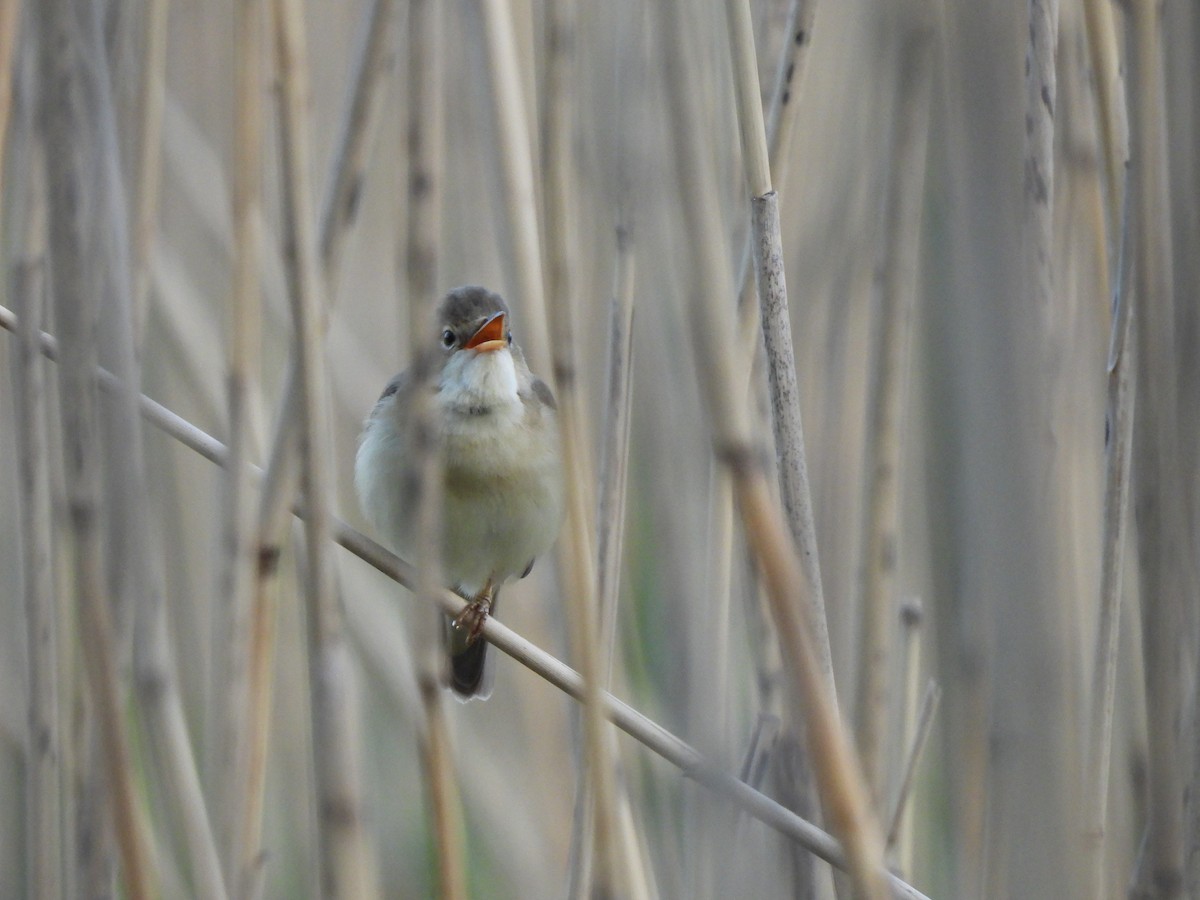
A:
476	612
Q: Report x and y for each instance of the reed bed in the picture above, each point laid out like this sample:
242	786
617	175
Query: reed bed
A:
913	298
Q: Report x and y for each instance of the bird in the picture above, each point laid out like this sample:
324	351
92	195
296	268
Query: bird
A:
502	499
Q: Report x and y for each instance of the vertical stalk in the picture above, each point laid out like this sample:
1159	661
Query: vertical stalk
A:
279	482
152	93
424	198
77	314
844	797
614	462
1122	365
234	633
1104	58
789	80
345	857
43	767
516	159
780	122
1165	574
444	802
896	304
771	317
776	326
577	553
373	60
1033	769
10	22
900	835
901	809
135	553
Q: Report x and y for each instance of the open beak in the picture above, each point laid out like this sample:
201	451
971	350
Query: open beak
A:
490	336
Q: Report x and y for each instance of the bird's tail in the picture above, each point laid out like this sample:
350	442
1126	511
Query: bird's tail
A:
472	668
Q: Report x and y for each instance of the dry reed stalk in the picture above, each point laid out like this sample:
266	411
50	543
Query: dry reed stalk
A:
642	729
1112	127
420	256
612	858
901	838
610	531
763	289
796	778
1120	416
373	59
43	760
845	801
639	727
425	164
887	401
133	544
234	633
10	22
1032	768
346	866
516	161
708	649
780	122
279	484
759	750
766	324
348	170
132	540
789	79
1041	84
614	461
1104	59
786	419
444	802
152	94
1114	140
924	724
1165	574
171	743
63	92
707	824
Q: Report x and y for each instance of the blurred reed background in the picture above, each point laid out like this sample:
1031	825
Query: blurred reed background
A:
977	400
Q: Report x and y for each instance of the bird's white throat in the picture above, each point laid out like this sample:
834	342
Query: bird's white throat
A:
475	382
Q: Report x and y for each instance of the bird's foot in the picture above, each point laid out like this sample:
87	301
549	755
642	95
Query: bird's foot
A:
473	617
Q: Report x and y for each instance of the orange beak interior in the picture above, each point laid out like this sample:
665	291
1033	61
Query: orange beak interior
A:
490	336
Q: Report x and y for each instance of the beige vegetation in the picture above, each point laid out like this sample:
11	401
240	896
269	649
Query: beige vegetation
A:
872	328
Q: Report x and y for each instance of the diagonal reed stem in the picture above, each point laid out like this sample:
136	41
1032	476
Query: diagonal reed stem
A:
642	729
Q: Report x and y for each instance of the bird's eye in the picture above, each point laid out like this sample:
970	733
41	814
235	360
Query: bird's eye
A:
508	337
447	338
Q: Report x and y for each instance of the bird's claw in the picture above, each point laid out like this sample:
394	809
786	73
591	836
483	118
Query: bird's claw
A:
472	618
